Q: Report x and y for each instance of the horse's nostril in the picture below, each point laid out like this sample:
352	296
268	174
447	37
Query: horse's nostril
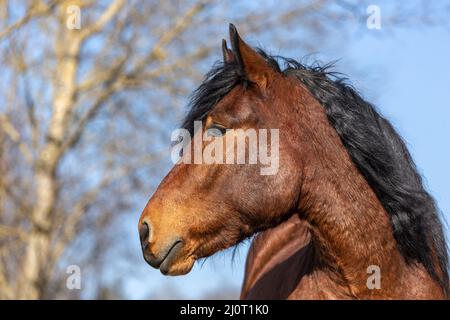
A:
144	232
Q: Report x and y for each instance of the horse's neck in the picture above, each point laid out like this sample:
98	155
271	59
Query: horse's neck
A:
282	264
350	227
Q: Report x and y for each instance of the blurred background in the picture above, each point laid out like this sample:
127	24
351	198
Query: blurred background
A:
90	92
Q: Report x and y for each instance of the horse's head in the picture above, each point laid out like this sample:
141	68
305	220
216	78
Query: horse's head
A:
201	208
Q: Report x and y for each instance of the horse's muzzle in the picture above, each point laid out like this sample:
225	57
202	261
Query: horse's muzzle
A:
163	259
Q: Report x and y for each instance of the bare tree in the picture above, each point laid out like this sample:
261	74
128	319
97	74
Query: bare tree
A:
84	114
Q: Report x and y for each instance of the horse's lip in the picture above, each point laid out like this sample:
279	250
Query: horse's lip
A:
167	261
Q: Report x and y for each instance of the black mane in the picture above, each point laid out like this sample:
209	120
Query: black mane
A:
372	143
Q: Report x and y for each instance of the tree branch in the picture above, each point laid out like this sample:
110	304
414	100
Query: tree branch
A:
14	135
36	10
109	14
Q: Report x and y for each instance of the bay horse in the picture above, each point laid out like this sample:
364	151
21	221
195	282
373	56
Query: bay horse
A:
347	199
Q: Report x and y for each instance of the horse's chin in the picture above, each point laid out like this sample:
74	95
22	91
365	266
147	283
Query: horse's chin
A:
177	268
179	263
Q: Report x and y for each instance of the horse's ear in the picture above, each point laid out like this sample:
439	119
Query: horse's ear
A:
252	65
228	55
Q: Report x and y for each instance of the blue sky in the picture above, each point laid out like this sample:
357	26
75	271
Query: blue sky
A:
405	73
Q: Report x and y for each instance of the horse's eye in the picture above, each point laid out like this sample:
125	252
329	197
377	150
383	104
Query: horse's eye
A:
216	130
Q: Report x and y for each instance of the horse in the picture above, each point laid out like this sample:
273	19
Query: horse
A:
346	216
